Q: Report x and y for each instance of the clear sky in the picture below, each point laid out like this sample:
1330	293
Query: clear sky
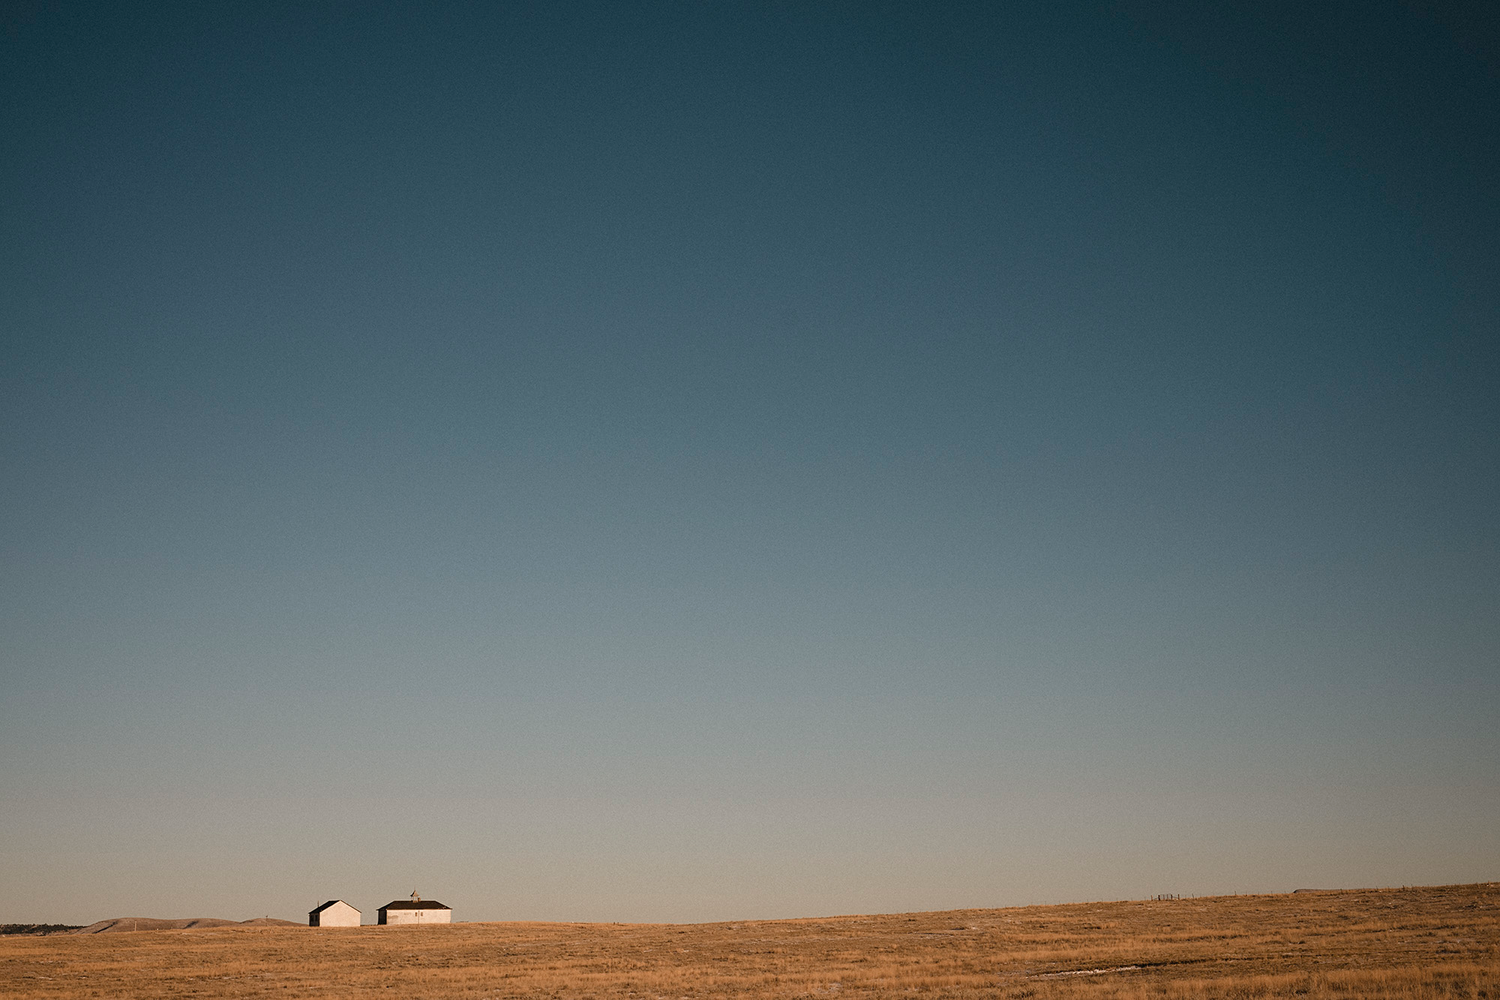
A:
705	461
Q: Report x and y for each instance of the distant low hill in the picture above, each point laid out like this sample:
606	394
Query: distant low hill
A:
118	924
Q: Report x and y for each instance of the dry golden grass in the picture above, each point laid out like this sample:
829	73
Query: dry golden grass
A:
1407	943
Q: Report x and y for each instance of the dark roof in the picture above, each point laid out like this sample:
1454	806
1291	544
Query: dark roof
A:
420	904
330	903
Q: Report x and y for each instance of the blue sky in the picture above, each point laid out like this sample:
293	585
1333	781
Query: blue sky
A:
657	462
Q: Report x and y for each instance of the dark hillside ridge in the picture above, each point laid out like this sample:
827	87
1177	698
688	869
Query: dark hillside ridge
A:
120	924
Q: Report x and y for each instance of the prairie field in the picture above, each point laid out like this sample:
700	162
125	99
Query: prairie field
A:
1411	943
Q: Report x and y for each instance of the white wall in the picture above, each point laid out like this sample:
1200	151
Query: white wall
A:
340	914
418	916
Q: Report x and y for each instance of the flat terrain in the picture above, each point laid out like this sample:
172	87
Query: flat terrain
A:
1413	943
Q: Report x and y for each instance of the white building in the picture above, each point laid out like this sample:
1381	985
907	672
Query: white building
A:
334	913
415	911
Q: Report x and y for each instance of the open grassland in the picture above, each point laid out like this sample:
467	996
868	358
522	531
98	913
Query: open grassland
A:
1414	943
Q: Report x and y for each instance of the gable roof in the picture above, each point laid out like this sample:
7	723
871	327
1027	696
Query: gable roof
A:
420	904
331	902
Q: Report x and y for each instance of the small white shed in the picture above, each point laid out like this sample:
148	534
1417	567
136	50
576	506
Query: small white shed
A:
334	913
415	911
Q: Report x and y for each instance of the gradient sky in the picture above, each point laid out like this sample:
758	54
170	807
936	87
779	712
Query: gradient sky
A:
708	461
